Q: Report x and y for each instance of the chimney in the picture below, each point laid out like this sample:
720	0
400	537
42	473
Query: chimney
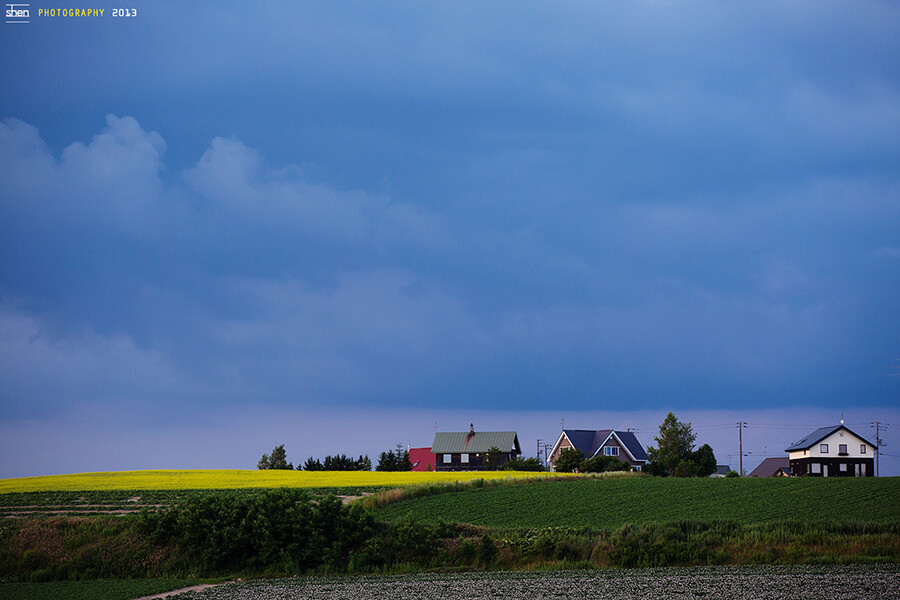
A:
471	428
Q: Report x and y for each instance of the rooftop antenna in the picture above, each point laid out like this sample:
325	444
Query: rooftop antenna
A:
562	423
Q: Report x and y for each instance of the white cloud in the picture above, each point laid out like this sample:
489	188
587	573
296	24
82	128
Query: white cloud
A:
113	181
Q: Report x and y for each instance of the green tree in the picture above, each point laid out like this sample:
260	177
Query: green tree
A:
277	460
675	454
705	460
311	464
569	460
394	460
602	464
491	461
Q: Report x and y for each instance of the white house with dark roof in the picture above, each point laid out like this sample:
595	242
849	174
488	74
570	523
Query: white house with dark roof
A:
601	442
832	452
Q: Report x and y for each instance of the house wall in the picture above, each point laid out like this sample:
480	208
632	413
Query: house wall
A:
831	467
476	462
565	443
623	453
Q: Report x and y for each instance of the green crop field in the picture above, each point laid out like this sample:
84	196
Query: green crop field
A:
610	503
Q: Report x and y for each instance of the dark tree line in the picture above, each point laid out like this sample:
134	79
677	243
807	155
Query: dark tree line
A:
338	462
394	460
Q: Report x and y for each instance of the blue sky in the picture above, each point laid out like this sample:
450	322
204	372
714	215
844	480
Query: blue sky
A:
304	212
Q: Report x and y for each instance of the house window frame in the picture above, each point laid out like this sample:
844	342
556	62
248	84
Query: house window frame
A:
823	448
842	449
610	451
862	448
448	459
843	467
815	468
464	458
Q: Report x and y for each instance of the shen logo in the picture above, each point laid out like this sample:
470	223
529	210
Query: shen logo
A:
18	13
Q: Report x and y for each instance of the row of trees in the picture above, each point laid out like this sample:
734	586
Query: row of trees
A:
339	462
393	460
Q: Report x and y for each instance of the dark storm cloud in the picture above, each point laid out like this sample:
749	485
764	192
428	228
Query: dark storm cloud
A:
508	205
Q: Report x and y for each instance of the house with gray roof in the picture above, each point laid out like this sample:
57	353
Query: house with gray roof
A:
772	467
465	450
601	442
833	451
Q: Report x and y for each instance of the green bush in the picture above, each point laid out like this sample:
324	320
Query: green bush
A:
282	530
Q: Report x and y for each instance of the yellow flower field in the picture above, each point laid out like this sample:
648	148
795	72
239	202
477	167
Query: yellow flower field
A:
210	479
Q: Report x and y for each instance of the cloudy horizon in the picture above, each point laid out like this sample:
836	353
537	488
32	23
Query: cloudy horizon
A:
322	211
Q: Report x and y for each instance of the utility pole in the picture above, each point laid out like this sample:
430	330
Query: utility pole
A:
878	443
542	444
741	425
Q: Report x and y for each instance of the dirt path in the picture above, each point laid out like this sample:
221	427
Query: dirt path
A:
192	588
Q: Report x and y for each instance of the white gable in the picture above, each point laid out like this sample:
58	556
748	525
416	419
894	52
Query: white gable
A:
830	447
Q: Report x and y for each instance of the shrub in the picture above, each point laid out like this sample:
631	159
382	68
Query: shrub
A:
275	529
523	464
569	460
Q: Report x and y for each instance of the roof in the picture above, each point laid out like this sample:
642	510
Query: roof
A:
820	434
422	459
590	442
770	466
458	442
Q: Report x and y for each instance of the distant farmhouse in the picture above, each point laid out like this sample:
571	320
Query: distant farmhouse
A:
773	467
832	452
464	451
422	459
601	442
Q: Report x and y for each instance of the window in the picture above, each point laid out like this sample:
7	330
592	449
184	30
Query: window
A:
823	448
464	458
636	467
862	448
610	451
448	458
815	468
844	467
842	449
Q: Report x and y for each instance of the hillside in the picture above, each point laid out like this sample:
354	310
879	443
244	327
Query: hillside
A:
609	503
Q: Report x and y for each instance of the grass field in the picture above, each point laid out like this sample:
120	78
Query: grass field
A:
610	503
211	479
105	589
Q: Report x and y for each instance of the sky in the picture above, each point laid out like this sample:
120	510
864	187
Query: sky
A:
340	226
